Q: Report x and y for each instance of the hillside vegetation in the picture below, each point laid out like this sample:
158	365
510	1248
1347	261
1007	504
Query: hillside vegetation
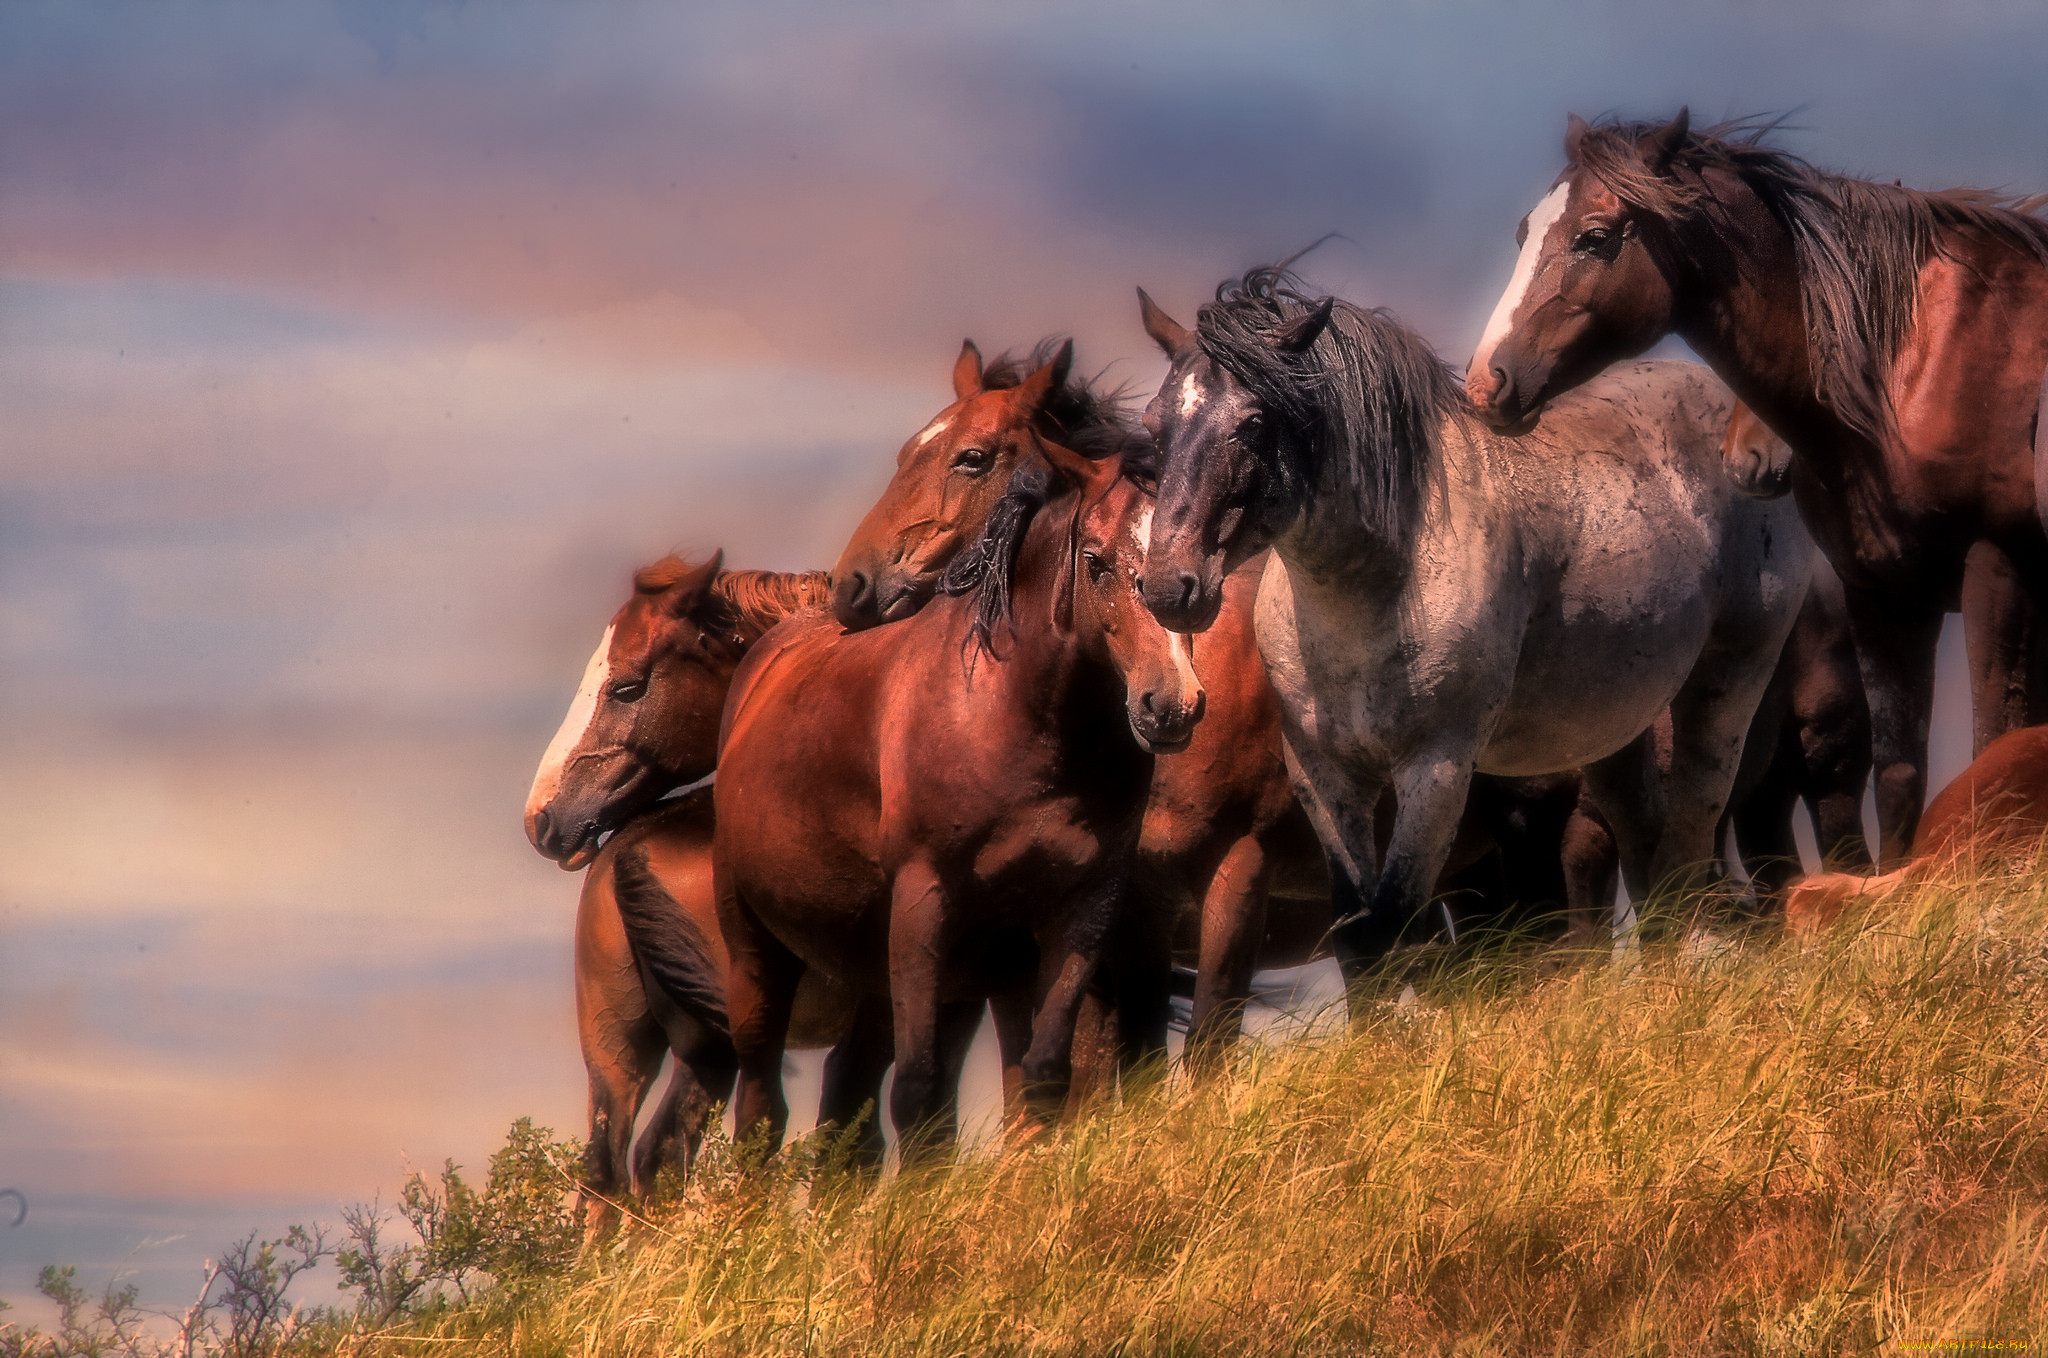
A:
1776	1147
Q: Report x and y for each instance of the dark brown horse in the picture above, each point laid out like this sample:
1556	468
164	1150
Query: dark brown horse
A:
650	964
947	808
1897	339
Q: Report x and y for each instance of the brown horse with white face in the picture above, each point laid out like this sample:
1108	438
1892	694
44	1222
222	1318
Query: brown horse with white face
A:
942	809
650	964
645	718
1896	339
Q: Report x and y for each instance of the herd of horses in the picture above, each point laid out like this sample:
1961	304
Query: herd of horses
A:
1331	652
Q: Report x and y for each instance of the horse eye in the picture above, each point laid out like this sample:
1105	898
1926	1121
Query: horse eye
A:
1597	240
631	691
1250	429
974	461
1097	567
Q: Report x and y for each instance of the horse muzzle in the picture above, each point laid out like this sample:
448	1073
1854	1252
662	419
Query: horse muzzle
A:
572	843
1505	399
1165	725
1184	600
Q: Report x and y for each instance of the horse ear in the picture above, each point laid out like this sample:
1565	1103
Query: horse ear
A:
1298	334
967	372
1034	391
1658	149
690	590
1575	130
1165	331
1092	475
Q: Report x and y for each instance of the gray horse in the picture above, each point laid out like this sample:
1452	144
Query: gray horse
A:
1444	599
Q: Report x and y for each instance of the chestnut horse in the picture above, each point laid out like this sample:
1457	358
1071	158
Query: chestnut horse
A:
1997	807
1442	600
1223	833
1897	339
919	809
650	964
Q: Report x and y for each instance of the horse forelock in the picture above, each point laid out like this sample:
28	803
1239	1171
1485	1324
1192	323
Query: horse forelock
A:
1368	397
1859	245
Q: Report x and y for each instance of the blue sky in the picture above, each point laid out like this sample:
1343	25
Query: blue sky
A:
354	354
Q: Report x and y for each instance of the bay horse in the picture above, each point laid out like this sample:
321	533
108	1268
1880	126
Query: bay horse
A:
1997	807
1229	872
1896	338
1443	600
650	964
946	808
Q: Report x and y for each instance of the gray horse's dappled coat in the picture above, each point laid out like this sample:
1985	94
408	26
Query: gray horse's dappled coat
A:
1530	605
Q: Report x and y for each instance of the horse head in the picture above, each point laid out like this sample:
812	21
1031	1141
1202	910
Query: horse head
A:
1757	461
1163	696
1593	283
948	477
1226	449
645	718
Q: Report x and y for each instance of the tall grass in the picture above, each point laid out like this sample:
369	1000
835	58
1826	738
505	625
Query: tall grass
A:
1772	1148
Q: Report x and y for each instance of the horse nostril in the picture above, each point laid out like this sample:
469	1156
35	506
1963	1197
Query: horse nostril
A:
1189	587
537	828
853	598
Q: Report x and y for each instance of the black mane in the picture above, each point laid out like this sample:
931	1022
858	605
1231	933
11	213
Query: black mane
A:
1084	415
987	569
1369	394
1860	245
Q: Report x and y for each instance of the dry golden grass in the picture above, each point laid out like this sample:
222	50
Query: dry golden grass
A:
1832	1148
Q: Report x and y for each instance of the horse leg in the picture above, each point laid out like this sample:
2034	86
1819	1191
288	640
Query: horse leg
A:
702	1078
1628	794
1592	863
1711	717
1895	643
1011	1013
1343	817
1064	974
622	1060
1831	720
1430	791
917	957
2008	646
1763	822
854	1069
1233	923
760	991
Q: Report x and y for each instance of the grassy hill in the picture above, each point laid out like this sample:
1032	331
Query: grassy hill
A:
1775	1147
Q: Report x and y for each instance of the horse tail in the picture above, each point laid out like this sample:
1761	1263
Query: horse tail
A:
667	942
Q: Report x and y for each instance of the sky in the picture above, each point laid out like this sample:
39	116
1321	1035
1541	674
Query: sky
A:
353	354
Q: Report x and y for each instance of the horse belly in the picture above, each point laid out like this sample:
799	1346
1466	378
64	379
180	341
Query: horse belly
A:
1591	677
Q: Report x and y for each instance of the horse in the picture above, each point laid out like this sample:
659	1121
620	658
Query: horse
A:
1222	832
650	963
947	808
650	979
1443	600
1997	807
1897	339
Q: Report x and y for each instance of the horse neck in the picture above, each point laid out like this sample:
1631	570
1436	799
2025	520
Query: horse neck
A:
1329	538
1740	308
1048	668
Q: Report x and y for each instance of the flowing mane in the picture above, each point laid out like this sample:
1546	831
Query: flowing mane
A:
987	569
1860	245
754	599
1093	420
1369	395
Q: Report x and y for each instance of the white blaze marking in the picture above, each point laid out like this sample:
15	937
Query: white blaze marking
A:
931	431
1190	395
1141	531
1184	663
582	708
1541	218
